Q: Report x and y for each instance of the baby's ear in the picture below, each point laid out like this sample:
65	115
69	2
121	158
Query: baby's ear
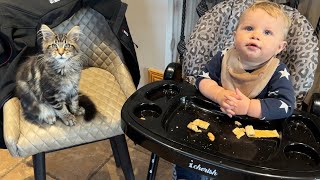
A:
282	46
46	32
74	34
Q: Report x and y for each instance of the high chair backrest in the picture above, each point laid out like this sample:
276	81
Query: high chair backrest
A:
214	32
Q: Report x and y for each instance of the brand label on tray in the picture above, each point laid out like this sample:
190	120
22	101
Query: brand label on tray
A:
203	169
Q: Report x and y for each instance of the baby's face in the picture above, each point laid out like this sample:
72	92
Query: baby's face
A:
259	36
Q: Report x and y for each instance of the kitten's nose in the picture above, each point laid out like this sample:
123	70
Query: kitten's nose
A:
60	51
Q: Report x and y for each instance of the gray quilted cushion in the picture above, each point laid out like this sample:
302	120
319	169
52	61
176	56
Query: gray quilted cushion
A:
214	32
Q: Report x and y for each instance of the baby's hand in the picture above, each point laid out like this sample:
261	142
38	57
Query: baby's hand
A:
227	107
240	102
221	98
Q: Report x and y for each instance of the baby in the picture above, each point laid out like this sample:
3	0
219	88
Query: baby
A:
248	79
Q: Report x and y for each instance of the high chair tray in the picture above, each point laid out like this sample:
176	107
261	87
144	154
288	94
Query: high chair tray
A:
156	117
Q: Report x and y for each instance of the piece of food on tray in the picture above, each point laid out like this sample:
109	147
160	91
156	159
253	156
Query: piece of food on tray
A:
237	123
266	134
256	133
193	127
239	132
211	136
249	131
200	123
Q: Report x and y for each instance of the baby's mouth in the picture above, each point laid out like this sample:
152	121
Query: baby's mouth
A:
252	45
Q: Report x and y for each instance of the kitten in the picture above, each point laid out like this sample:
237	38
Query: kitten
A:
47	84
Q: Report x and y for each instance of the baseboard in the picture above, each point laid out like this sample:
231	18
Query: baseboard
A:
154	75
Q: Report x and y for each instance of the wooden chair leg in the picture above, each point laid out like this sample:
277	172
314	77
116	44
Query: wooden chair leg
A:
39	166
121	144
115	152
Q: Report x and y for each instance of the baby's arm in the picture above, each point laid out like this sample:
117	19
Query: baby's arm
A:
210	89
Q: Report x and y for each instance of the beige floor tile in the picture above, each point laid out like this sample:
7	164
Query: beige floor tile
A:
140	163
21	172
79	162
92	161
8	162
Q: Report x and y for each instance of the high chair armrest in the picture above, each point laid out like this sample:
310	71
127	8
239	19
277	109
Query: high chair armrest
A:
173	72
314	106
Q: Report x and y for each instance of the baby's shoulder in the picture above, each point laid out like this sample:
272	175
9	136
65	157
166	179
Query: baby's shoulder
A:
282	66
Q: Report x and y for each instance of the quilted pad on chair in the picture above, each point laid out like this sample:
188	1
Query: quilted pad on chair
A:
24	138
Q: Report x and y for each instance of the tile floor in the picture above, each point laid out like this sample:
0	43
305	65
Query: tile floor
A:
87	162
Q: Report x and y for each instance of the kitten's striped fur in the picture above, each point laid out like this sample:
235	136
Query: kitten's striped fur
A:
47	84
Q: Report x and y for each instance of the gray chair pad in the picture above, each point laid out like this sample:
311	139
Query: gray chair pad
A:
24	138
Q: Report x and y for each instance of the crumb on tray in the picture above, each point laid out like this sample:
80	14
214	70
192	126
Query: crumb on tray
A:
211	136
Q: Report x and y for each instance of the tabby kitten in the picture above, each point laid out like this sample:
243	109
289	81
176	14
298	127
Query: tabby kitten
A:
47	84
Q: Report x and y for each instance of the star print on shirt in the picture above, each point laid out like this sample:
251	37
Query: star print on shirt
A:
284	73
284	106
273	93
205	75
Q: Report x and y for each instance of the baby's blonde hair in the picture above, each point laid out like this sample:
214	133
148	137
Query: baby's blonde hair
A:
273	9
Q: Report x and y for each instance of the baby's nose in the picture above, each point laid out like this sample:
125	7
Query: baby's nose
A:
255	35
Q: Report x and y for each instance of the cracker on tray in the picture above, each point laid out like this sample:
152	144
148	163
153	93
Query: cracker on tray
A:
249	131
239	132
194	125
256	133
200	123
266	134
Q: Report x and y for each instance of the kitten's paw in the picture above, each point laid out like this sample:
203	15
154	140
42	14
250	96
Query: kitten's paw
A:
50	119
69	120
80	111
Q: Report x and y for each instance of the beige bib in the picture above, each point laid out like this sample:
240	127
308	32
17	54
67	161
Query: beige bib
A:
250	84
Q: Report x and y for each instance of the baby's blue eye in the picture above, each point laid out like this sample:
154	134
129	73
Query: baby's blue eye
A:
267	32
248	28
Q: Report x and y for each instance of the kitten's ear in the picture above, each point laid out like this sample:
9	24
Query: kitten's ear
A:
74	33
46	32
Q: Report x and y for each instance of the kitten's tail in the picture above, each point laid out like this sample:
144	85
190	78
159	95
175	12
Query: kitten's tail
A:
88	105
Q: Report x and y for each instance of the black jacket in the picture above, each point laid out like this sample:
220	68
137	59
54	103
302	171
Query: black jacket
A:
20	21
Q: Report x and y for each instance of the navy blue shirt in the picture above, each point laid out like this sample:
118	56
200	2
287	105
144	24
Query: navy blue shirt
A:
277	98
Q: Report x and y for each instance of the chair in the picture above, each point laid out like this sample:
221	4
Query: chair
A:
214	32
106	80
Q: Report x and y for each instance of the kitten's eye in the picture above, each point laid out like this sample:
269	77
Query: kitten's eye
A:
67	45
248	28
54	46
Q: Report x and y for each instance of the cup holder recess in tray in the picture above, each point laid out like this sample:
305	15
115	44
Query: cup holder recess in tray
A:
303	154
167	90
144	110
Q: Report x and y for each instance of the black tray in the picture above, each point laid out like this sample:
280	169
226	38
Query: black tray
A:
156	117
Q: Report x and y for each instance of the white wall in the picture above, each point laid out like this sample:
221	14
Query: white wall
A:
147	20
155	27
